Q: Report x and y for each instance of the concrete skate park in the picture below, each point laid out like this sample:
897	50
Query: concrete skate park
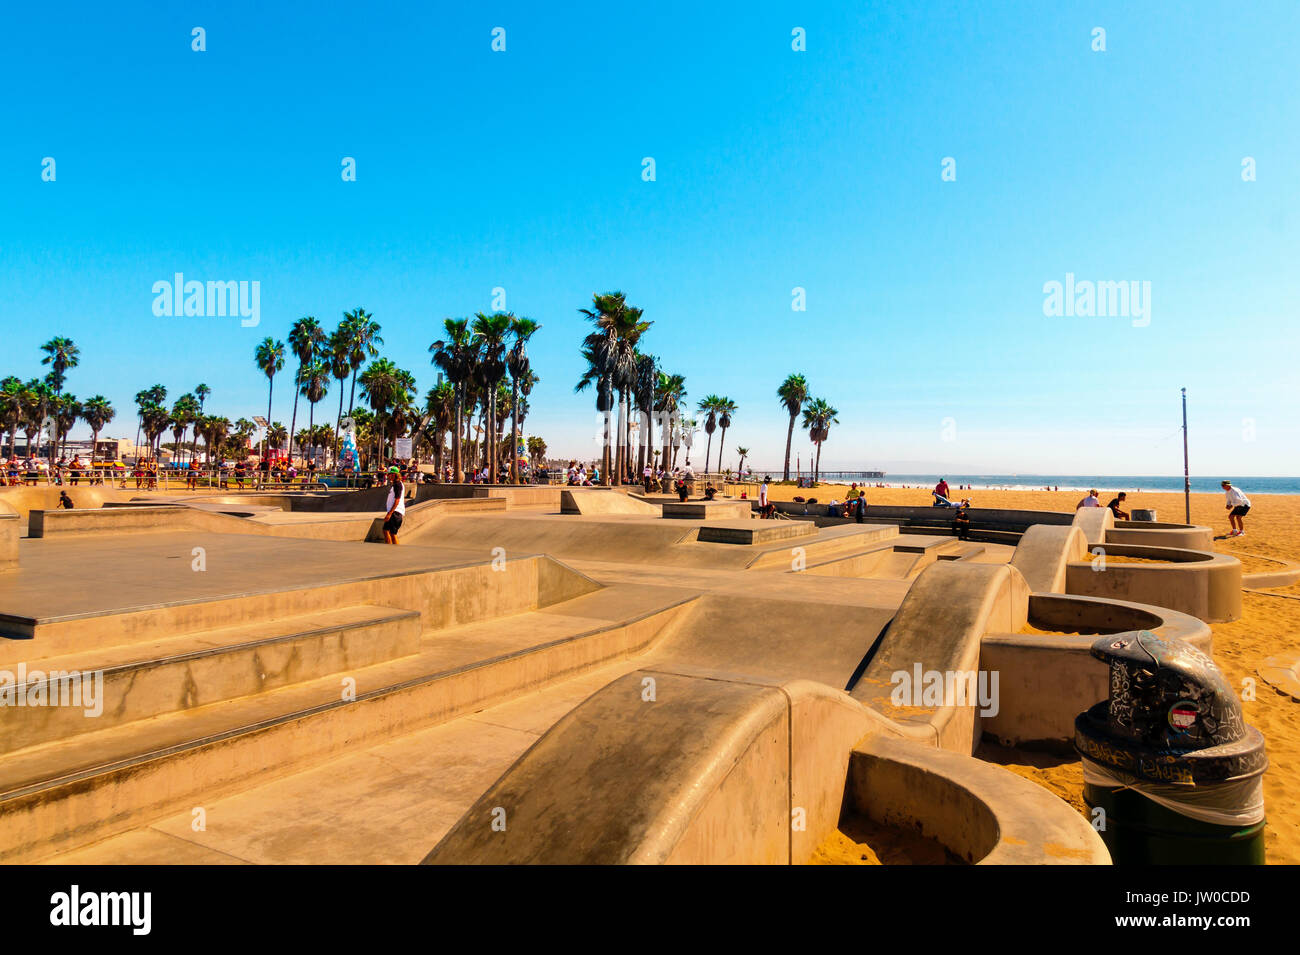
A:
553	675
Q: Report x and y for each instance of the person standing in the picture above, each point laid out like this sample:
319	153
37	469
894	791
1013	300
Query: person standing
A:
396	505
1238	507
941	488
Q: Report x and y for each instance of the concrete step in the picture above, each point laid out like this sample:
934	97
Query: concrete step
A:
61	794
117	685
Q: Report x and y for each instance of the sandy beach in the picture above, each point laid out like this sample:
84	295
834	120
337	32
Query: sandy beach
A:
1270	625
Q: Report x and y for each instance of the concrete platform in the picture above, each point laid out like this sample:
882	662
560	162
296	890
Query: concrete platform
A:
754	532
707	510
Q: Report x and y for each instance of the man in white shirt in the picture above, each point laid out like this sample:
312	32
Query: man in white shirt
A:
765	507
1238	508
1089	501
395	506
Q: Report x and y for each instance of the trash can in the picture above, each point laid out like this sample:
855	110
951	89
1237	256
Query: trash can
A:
1168	758
1141	514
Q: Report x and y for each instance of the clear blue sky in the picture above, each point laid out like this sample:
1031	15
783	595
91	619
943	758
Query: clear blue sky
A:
775	169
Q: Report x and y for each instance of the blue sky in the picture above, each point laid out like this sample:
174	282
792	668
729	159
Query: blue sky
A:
775	169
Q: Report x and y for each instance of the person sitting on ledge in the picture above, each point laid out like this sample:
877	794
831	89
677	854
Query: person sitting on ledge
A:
1116	506
961	520
680	487
65	502
709	491
1090	500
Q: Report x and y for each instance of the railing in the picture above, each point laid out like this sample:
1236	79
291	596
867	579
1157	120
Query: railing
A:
167	479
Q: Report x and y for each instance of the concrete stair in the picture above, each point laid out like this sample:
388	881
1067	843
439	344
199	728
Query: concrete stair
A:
142	680
197	716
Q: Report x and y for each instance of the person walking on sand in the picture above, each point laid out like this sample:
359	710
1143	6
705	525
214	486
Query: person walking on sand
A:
396	505
1238	507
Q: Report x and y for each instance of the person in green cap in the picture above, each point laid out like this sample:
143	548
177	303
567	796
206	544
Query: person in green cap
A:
396	505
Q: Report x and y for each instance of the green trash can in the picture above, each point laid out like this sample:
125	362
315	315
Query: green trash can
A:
1168	760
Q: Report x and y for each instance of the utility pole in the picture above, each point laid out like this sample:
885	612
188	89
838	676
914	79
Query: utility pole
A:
1187	481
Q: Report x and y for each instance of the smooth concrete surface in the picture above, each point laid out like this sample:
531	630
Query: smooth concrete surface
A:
604	501
938	628
1043	553
9	528
1186	536
980	812
1095	522
1201	583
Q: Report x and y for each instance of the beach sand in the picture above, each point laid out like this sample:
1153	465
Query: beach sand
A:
1270	625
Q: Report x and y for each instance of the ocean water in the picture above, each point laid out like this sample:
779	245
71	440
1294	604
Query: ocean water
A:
1079	482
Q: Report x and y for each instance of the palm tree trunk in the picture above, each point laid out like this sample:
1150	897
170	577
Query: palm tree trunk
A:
722	440
455	436
293	420
514	432
270	393
789	436
817	465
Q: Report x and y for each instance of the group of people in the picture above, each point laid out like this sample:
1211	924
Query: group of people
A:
31	471
1237	506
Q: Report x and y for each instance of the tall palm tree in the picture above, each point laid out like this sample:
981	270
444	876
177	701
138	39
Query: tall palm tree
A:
313	383
96	411
65	411
818	416
201	392
62	354
185	412
491	332
36	398
744	453
151	397
671	391
306	341
440	405
726	408
387	389
11	407
456	355
710	406
155	419
270	359
276	435
363	342
337	350
792	392
520	370
610	352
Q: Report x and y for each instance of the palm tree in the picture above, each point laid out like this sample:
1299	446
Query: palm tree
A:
65	411
793	392
610	352
440	405
520	370
306	341
276	435
491	332
62	354
388	390
337	349
536	450
726	408
155	419
671	390
457	356
818	416
270	359
96	412
185	412
151	397
201	392
744	453
710	406
36	398
363	342
313	383
11	407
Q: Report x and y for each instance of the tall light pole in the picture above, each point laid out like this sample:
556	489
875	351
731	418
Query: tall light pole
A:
1187	481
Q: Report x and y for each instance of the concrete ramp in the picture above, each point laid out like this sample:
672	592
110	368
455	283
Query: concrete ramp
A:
597	502
1044	552
938	630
